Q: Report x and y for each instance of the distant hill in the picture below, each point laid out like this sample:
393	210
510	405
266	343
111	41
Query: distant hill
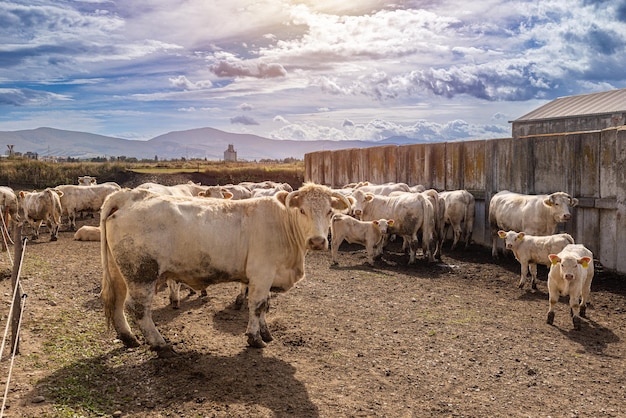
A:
202	143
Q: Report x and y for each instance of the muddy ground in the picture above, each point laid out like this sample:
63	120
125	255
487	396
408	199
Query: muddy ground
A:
452	339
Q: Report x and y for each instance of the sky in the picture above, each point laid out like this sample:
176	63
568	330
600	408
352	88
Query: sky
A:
437	70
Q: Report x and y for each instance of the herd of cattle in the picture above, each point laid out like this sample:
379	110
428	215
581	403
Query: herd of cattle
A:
258	234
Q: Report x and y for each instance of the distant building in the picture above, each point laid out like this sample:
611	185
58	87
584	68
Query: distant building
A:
230	154
31	155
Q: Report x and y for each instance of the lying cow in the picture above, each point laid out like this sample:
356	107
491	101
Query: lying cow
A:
459	214
148	238
533	214
87	233
39	207
370	234
531	250
571	274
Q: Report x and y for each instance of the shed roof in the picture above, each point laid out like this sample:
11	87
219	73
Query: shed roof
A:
585	104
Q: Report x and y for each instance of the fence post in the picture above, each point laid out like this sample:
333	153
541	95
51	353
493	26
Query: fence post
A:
17	301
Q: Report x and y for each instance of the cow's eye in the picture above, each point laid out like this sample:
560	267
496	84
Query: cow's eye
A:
302	211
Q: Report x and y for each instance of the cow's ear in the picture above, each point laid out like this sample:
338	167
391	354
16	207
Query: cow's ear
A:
351	199
573	201
369	196
554	259
584	262
227	195
548	201
502	234
375	223
281	196
521	235
390	222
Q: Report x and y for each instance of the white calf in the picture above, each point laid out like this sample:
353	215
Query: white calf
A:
571	274
370	234
87	233
531	250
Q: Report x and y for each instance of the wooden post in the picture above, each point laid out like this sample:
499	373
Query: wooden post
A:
17	300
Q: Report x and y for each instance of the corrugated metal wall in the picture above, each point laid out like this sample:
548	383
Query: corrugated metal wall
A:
590	166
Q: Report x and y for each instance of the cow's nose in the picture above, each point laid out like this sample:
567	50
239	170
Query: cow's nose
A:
567	217
317	243
358	212
569	276
509	246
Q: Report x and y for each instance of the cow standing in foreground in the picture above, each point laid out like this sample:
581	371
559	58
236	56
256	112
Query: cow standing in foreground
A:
148	238
533	214
531	250
571	274
38	207
370	234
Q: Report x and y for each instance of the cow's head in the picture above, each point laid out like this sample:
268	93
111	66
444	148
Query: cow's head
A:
383	225
361	199
314	206
559	204
511	238
569	265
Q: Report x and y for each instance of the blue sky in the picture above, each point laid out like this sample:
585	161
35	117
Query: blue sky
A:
304	70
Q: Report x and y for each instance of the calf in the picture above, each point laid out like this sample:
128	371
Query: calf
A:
531	250
87	233
370	234
571	274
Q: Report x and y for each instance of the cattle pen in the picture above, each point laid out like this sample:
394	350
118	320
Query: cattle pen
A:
590	166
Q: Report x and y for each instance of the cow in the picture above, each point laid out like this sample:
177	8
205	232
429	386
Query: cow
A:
533	214
86	181
267	184
459	215
411	212
8	208
76	199
238	191
87	233
531	250
383	189
38	207
185	189
370	234
148	238
571	274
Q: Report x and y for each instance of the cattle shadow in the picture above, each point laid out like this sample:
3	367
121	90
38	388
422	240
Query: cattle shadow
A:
593	337
248	378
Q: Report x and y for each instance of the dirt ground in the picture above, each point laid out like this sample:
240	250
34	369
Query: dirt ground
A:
452	339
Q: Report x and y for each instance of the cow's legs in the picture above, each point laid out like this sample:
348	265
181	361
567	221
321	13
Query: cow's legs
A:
533	275
258	304
523	275
456	231
139	303
574	304
174	288
553	299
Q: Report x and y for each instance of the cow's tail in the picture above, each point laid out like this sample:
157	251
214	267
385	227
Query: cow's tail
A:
469	219
112	287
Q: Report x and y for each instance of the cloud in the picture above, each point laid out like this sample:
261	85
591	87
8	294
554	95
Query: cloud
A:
255	69
28	97
245	107
243	120
182	82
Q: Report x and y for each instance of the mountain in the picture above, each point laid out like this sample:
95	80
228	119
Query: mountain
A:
202	143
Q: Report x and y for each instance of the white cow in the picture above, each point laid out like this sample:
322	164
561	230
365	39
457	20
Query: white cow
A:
411	212
76	199
267	184
533	214
186	189
459	214
531	250
383	189
370	234
571	274
87	233
38	207
8	206
148	238
86	181
238	191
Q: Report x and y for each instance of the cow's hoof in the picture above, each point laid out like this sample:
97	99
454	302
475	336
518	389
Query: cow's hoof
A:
550	319
164	351
266	336
53	238
577	323
203	293
520	285
583	311
129	341
534	286
255	341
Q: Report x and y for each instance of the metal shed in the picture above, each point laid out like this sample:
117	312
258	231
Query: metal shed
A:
582	113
